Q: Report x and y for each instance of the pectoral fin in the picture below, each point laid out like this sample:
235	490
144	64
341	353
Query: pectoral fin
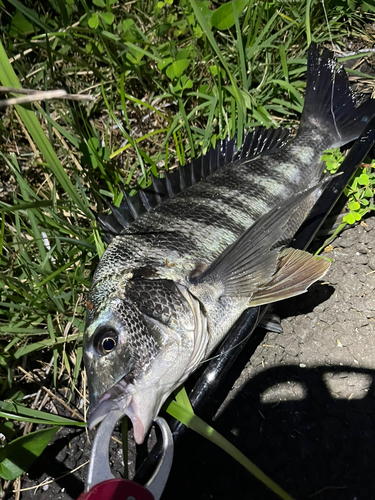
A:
252	261
296	271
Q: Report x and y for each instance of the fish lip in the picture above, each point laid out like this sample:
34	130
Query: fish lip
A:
116	397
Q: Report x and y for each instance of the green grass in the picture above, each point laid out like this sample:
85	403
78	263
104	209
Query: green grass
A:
168	80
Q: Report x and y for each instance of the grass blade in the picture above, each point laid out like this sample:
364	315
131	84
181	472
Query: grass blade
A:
240	48
9	79
240	103
16	411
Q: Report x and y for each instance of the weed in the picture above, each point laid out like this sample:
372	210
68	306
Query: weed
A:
333	159
360	192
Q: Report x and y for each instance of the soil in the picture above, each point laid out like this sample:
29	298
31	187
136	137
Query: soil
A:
302	409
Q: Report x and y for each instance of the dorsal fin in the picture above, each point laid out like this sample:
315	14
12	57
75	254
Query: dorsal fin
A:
260	141
159	188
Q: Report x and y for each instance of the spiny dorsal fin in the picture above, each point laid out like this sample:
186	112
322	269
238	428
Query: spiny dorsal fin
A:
260	141
263	142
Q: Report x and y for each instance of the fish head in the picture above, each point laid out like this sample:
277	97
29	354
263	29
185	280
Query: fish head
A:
138	347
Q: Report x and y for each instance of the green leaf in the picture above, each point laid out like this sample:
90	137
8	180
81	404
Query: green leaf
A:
19	25
99	3
308	24
368	7
30	14
107	17
363	179
353	206
223	17
246	99
183	54
164	63
17	456
169	72
198	32
128	29
214	69
179	67
93	143
94	21
349	218
331	163
186	82
178	87
61	4
126	24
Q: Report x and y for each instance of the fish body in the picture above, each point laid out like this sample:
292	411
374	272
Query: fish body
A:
173	282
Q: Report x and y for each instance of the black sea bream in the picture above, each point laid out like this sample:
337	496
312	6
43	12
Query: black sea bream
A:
208	245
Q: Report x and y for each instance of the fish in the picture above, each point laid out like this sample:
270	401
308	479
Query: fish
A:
188	255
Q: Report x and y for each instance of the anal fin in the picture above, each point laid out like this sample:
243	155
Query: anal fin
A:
271	322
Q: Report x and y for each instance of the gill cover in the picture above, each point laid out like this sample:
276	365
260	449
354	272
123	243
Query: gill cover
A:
160	336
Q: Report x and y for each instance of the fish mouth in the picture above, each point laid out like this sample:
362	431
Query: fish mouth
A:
122	396
118	396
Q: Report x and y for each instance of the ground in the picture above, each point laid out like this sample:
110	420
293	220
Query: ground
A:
302	409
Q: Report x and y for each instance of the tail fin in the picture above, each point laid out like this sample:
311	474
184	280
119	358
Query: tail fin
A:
330	103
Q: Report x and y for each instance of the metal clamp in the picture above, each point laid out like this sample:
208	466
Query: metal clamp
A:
99	470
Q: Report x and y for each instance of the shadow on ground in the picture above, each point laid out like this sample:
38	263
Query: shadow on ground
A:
314	446
53	467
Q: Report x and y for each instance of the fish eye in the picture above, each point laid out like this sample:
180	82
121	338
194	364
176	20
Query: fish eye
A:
105	341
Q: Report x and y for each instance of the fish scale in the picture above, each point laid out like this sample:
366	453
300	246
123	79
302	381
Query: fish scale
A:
193	251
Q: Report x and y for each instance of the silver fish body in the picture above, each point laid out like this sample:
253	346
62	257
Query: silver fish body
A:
170	286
